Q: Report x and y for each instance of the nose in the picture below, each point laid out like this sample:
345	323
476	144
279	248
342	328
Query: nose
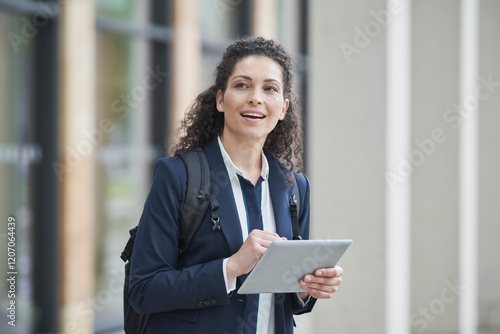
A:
254	97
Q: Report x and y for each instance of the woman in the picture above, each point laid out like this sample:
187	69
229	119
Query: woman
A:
248	125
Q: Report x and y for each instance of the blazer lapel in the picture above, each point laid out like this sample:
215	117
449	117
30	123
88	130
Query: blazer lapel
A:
221	189
280	196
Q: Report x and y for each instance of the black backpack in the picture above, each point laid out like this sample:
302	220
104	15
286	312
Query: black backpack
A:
198	199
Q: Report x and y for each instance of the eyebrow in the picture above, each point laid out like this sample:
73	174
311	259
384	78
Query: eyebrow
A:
250	79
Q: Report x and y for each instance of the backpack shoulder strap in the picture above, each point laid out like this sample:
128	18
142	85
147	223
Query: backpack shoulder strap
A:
129	247
195	205
198	197
295	210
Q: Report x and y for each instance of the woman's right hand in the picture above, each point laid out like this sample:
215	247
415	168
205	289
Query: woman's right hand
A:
249	253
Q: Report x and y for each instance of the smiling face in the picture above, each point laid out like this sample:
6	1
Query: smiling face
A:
253	102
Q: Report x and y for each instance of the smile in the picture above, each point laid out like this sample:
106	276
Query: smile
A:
253	115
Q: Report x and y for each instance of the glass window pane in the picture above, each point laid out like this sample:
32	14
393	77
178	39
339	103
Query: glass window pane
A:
221	22
219	19
17	154
209	62
124	85
120	9
114	184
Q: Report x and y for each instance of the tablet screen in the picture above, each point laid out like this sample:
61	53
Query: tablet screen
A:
286	262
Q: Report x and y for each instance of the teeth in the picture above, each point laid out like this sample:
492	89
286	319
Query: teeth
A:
253	115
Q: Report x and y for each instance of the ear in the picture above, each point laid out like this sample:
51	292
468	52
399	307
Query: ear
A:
286	104
219	100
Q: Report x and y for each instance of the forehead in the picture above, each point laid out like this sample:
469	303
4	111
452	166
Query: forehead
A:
258	67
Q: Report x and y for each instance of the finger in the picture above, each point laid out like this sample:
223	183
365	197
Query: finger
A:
271	236
265	235
321	284
315	288
331	286
336	271
310	279
255	247
259	239
319	294
266	242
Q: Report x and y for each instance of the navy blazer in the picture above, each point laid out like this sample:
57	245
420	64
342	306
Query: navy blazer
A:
193	299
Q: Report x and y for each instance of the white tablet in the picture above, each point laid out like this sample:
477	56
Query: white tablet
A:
286	262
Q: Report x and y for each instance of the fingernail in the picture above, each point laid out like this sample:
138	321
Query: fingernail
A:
319	273
308	278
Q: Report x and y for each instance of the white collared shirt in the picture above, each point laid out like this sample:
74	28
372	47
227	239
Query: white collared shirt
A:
265	318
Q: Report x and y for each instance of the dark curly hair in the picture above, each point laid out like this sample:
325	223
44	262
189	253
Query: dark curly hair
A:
203	121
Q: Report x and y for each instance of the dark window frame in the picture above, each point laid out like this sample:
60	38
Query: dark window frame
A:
43	180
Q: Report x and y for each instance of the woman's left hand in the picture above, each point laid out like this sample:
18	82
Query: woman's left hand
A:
323	284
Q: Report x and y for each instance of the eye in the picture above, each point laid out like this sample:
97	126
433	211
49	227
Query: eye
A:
241	85
272	89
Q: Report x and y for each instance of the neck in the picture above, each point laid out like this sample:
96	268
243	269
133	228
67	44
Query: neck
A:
247	156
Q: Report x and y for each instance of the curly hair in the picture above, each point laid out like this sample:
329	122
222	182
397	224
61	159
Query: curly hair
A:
203	121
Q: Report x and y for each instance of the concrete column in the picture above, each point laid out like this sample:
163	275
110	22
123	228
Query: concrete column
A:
186	58
78	133
398	146
434	162
265	18
468	169
346	150
489	167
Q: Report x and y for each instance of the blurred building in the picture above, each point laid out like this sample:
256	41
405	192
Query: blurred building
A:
400	103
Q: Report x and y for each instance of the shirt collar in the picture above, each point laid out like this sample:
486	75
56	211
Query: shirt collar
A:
233	171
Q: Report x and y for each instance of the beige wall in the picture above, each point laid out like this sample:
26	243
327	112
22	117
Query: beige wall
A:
347	152
435	195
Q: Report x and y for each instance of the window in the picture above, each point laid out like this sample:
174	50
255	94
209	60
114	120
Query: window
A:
28	145
17	154
132	65
221	22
